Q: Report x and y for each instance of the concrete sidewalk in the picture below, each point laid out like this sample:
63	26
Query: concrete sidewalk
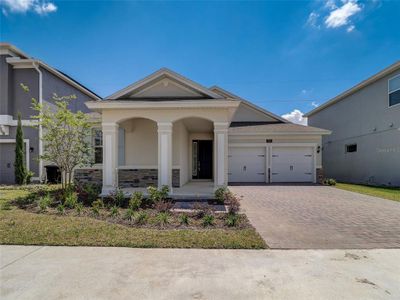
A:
122	273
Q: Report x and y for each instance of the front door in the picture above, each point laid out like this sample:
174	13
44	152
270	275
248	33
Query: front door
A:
202	160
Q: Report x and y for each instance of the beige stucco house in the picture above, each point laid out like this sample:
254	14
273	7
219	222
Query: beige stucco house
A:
168	130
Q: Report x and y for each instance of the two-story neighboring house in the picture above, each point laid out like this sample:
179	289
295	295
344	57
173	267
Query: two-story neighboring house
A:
43	81
364	146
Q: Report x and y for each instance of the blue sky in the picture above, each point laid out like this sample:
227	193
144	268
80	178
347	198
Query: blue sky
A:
281	55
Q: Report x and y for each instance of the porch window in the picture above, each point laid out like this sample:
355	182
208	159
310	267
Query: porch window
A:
97	141
394	91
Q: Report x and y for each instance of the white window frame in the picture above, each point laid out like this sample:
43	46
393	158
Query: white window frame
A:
94	146
389	92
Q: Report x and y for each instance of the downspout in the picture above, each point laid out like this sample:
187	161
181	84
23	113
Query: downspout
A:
36	66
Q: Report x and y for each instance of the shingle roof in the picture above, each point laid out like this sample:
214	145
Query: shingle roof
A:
278	128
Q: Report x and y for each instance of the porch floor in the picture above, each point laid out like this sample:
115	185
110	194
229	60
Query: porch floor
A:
190	191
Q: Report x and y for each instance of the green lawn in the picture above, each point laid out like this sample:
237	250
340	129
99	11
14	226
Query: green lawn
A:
20	227
382	192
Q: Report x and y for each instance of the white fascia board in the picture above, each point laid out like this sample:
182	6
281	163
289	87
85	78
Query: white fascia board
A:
115	104
163	72
9	49
252	105
30	63
327	132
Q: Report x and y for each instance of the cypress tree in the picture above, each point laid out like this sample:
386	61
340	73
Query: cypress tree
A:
19	166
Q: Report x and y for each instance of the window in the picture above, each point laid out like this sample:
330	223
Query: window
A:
394	91
351	148
97	136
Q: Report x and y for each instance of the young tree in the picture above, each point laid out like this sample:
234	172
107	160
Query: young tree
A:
19	165
66	136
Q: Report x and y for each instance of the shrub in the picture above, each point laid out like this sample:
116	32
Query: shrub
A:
136	200
96	206
162	218
156	195
141	217
232	220
45	202
88	193
184	219
233	203
79	208
329	181
71	200
208	220
129	214
6	206
163	205
95	211
61	209
25	201
117	197
219	194
28	177
114	211
202	209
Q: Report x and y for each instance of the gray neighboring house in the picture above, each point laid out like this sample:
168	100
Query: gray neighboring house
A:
364	146
16	67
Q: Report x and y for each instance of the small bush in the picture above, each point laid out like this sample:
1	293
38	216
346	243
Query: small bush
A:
96	206
184	219
79	208
88	193
136	200
45	202
162	219
208	220
117	197
329	181
25	201
6	206
98	203
71	200
219	194
232	220
156	195
233	203
114	212
163	205
28	177
129	214
141	217
202	209
61	209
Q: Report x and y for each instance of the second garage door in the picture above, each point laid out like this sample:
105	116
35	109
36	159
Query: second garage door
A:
292	164
246	164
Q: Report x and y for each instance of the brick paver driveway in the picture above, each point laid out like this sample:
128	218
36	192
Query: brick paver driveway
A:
320	217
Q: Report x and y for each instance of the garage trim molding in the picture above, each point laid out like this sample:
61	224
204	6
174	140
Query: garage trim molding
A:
269	147
13	141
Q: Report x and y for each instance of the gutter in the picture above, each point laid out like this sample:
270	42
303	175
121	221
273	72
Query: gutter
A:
36	66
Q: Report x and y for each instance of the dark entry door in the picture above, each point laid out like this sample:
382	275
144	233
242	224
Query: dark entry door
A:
202	159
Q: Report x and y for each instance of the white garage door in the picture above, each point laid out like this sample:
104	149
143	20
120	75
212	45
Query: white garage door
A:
246	164
292	164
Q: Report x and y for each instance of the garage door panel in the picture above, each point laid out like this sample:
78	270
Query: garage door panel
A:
246	164
292	164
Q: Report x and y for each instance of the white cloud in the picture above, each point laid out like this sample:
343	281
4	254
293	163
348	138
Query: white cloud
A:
341	15
296	116
314	104
350	28
313	20
40	7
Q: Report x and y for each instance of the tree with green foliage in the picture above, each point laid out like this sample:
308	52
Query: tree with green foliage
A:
19	165
66	136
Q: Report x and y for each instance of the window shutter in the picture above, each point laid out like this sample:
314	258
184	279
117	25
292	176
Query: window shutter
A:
121	146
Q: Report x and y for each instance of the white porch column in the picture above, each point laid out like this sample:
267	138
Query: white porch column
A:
220	153
110	156
165	154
